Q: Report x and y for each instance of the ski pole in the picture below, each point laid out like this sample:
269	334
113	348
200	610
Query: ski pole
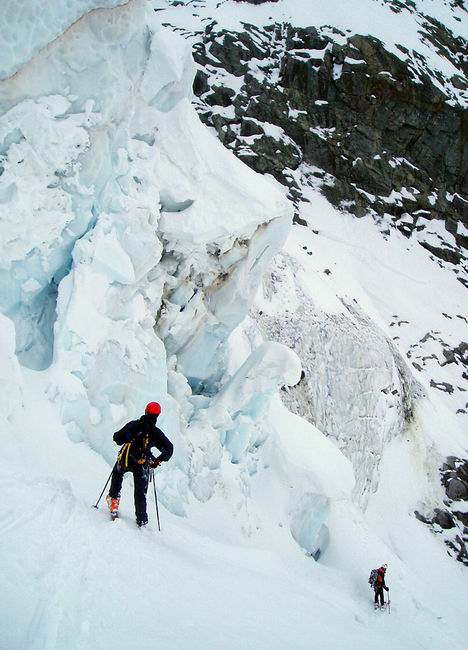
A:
100	497
155	499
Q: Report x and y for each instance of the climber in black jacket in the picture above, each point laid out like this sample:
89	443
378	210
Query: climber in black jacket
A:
137	439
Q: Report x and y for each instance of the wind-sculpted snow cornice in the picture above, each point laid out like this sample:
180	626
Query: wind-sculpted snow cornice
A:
29	26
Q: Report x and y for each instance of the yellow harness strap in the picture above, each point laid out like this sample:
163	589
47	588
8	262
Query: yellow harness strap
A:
124	453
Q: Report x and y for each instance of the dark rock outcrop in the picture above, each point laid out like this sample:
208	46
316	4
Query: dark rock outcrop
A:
256	2
453	520
443	518
378	133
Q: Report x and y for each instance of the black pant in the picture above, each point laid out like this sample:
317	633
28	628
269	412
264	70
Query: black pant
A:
140	482
379	595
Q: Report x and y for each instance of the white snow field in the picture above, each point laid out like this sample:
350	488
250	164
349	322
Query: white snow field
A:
133	248
73	579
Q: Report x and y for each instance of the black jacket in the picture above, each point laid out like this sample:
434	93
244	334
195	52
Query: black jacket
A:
143	434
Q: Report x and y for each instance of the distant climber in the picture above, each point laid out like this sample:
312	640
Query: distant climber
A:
138	437
377	581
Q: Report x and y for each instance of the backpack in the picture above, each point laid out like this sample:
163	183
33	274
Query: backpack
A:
373	577
136	450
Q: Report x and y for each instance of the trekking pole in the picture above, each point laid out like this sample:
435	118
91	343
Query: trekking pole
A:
389	602
100	497
155	499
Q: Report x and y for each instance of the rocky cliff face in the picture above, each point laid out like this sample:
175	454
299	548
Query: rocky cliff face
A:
316	106
451	522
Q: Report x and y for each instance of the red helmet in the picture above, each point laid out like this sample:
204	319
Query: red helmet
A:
153	408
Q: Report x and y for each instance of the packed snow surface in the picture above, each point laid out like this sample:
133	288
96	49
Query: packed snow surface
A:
133	246
75	579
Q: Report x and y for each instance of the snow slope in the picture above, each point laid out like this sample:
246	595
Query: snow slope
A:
76	580
379	314
133	246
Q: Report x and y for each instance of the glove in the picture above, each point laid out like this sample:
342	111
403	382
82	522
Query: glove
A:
155	462
386	588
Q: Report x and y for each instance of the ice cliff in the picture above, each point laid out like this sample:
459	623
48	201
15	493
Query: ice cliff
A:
132	241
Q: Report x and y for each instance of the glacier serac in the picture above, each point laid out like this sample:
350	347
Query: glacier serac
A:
93	185
141	260
129	232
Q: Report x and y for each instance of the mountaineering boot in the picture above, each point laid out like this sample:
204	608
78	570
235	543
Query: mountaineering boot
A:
141	523
113	506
